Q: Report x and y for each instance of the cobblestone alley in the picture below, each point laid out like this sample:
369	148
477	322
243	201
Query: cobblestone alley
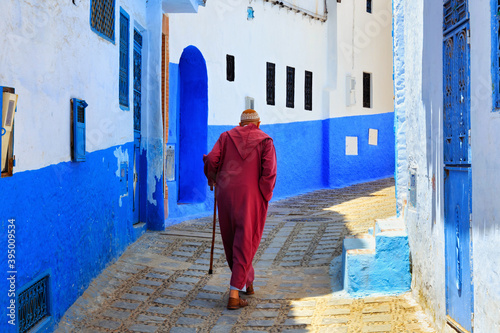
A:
161	283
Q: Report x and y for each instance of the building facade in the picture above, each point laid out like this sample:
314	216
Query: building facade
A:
318	73
447	119
81	145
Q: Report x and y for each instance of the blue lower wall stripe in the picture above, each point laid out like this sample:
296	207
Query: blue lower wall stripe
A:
68	219
311	156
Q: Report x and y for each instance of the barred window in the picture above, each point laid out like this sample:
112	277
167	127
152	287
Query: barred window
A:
290	87
367	90
230	67
308	91
271	82
102	18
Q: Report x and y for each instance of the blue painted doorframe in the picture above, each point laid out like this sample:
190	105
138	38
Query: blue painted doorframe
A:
457	165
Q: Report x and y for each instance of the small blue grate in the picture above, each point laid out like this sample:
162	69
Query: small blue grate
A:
33	305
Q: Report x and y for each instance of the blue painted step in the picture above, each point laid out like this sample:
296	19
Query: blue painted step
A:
377	264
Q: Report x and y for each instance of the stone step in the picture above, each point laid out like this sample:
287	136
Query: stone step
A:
377	264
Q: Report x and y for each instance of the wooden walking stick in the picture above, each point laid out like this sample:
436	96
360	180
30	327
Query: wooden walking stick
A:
210	271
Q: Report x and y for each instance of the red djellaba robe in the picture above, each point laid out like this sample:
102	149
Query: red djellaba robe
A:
243	165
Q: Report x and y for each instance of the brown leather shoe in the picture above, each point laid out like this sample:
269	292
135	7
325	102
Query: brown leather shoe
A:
236	303
250	290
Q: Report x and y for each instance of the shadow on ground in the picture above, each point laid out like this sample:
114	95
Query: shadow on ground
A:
161	283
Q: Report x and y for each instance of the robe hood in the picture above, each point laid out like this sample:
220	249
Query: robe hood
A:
246	138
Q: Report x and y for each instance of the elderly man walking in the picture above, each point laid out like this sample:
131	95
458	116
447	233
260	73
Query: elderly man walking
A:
242	164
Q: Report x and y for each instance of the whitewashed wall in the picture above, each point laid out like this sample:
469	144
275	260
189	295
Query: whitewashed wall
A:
485	128
364	45
424	140
50	54
222	28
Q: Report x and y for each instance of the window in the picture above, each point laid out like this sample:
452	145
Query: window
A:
308	91
495	49
8	105
102	18
123	88
230	67
137	79
271	78
367	90
368	6
290	87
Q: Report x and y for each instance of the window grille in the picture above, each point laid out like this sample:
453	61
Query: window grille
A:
290	87
230	67
368	6
102	18
308	91
367	90
124	60
455	13
271	82
33	305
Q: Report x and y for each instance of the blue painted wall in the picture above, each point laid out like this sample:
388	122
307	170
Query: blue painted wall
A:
311	156
68	221
372	162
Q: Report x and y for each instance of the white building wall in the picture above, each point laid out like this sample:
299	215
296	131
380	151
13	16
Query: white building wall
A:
364	45
50	54
485	126
219	29
424	139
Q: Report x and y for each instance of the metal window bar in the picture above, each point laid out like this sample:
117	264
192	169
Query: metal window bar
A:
271	82
455	13
367	90
33	305
308	91
290	87
103	17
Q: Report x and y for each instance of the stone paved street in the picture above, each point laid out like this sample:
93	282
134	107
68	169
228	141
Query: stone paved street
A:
161	283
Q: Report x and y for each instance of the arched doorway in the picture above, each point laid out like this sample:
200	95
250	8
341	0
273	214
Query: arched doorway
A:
193	118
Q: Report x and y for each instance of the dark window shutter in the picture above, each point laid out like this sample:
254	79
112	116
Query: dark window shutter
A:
271	82
308	91
290	87
230	67
367	90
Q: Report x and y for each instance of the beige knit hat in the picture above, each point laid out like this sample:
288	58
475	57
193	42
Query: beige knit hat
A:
249	115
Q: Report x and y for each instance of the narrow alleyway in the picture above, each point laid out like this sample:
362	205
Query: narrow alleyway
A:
161	283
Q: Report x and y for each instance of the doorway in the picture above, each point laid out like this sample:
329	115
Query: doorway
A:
457	165
193	119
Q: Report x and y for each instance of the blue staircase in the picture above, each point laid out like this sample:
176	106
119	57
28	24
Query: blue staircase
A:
378	262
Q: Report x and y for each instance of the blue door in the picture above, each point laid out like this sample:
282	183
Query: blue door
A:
137	123
457	165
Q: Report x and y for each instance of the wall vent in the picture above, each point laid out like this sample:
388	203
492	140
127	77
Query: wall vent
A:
33	304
